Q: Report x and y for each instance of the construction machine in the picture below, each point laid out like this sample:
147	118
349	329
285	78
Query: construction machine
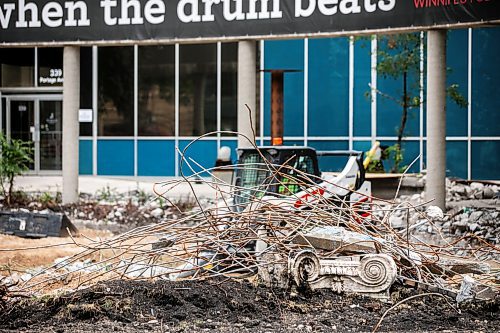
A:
290	176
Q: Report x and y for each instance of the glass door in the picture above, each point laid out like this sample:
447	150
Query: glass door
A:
50	135
38	119
23	124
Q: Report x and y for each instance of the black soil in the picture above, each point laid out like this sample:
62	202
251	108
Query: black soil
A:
231	306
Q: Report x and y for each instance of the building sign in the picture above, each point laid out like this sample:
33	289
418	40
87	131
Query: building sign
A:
53	76
30	21
85	115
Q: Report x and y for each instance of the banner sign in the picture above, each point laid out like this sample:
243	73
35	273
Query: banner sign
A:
31	21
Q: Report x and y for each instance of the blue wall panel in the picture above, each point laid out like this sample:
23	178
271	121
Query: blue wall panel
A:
85	157
203	152
456	159
486	82
331	163
362	145
115	157
388	112
286	54
156	157
362	79
485	157
456	61
389	109
329	87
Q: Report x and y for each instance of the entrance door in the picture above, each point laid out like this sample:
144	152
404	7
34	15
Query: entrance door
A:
22	123
38	119
50	135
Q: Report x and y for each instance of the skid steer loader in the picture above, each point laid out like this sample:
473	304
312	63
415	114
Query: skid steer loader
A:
290	176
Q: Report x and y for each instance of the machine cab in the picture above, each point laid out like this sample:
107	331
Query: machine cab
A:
279	170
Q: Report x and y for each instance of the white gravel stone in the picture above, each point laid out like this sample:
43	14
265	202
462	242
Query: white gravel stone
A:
477	186
158	212
434	212
154	204
397	222
473	227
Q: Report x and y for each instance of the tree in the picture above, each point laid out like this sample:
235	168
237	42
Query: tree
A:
14	160
398	58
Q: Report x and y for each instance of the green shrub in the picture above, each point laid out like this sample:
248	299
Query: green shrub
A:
14	160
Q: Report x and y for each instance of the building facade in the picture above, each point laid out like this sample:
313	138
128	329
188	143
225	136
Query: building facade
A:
153	100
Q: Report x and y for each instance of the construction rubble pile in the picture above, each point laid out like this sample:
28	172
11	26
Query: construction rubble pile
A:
473	215
325	244
109	209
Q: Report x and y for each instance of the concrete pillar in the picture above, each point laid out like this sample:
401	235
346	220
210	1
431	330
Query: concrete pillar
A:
247	83
436	117
71	105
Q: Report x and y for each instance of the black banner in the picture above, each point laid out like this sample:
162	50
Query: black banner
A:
31	21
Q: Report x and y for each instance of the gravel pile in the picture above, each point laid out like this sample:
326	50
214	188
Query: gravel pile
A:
473	211
473	191
482	222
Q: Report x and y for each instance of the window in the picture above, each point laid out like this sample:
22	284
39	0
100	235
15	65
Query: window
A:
328	87
50	67
286	54
229	94
485	87
157	90
17	67
116	91
4	117
198	89
86	87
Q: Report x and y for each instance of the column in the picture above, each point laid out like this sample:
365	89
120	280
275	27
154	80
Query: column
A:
436	118
71	106
247	82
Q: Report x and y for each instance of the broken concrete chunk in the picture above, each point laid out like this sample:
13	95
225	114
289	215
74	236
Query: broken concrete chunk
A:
143	269
274	275
458	266
485	293
478	195
338	239
474	216
475	186
397	222
488	193
371	275
467	289
434	212
458	189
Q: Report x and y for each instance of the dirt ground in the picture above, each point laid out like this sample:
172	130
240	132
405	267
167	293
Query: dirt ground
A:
40	252
211	305
233	306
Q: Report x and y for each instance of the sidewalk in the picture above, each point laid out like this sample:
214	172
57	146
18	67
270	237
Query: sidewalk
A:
93	184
